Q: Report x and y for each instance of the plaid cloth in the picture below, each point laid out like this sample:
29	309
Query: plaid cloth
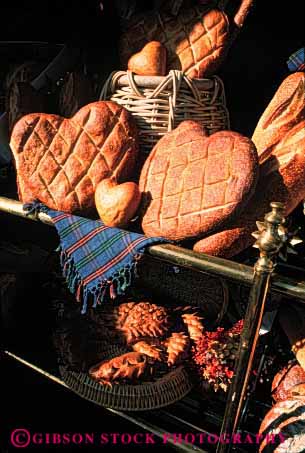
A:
94	257
296	61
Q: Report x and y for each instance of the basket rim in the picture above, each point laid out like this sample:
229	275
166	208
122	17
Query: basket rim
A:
141	397
153	81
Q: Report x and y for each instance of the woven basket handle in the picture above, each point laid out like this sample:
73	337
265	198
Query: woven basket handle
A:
174	77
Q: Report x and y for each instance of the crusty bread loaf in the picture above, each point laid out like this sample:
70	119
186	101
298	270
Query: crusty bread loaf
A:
285	110
281	143
196	40
285	184
285	424
60	161
192	183
286	379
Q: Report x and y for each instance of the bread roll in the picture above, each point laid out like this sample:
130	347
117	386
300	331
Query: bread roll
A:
116	204
150	61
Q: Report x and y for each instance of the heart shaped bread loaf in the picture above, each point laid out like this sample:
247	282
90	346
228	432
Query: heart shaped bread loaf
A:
191	183
196	40
116	204
60	161
280	141
151	60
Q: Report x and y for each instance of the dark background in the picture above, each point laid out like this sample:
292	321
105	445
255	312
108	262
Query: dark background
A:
255	67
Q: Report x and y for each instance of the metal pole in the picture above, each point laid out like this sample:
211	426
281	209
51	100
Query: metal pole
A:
16	208
269	243
180	256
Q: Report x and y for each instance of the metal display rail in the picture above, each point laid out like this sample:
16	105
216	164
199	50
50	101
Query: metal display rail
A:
262	281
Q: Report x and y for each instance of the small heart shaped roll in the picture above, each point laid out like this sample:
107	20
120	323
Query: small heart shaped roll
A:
151	60
116	203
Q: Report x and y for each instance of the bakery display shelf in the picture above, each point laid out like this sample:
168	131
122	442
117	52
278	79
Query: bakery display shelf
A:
261	280
185	416
140	421
236	272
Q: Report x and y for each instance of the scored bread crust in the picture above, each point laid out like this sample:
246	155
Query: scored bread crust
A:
282	179
285	110
285	380
280	140
196	40
191	184
60	161
287	416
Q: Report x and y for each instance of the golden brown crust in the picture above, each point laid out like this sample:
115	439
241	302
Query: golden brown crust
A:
285	380
285	111
196	40
150	61
285	185
60	161
116	204
176	347
129	366
191	184
280	138
287	416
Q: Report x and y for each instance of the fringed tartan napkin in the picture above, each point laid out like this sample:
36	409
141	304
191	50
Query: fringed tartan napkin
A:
94	257
296	61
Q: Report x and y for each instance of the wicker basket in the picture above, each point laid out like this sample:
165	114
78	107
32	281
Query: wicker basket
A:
160	104
165	390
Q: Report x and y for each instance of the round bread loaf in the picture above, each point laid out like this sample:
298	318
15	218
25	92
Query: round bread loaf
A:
192	184
116	204
282	179
151	60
